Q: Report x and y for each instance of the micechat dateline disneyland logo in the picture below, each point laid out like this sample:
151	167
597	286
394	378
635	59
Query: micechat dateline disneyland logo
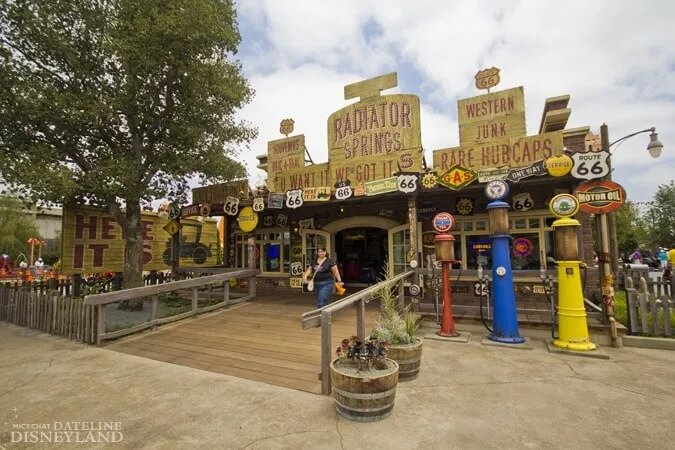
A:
66	432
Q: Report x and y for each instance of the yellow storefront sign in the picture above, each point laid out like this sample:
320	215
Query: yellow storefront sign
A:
248	219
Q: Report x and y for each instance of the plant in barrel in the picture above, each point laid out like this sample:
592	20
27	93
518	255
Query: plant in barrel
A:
398	326
363	379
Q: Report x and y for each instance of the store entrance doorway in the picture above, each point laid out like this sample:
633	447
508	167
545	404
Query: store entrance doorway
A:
362	254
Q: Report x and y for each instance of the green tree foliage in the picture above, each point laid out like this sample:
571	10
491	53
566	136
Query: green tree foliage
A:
116	102
15	228
660	217
630	228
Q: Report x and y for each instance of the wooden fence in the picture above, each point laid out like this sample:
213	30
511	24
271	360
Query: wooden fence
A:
48	311
650	306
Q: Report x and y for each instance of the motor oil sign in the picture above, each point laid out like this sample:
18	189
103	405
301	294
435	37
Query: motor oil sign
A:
600	197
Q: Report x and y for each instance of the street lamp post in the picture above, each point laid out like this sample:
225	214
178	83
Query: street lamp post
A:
607	270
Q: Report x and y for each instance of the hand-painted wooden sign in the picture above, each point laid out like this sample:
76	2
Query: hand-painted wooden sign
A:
92	242
600	197
381	186
486	175
457	177
316	194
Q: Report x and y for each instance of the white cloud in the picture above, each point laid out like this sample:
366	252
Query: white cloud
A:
614	58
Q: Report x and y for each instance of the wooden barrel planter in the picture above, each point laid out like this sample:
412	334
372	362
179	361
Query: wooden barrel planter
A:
408	357
366	395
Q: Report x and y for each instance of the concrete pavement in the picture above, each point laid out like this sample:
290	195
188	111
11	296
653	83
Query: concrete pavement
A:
467	396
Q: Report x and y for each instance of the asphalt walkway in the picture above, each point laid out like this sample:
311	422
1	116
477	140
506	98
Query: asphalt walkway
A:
467	396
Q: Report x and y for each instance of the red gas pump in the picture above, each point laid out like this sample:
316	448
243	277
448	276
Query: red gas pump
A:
445	253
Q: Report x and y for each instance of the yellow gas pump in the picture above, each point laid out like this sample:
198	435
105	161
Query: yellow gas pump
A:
572	324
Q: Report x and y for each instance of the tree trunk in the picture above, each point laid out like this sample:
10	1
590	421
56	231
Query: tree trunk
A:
133	255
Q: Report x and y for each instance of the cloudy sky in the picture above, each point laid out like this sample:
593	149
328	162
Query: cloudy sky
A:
616	60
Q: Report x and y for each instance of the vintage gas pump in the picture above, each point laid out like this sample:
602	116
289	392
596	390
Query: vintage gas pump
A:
505	323
445	253
572	325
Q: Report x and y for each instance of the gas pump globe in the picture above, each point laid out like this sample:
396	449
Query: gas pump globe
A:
572	326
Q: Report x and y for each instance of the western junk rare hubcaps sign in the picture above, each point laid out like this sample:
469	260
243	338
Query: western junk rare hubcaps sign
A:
600	197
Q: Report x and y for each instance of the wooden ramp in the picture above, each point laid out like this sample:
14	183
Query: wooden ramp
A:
260	340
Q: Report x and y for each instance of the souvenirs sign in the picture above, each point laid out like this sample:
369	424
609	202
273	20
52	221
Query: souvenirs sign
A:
600	197
590	165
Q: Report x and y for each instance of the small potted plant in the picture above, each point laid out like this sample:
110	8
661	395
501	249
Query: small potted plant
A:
398	328
363	380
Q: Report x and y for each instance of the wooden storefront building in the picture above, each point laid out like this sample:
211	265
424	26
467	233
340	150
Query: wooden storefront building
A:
371	204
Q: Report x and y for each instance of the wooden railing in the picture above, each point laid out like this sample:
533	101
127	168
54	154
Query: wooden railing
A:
323	317
100	301
646	302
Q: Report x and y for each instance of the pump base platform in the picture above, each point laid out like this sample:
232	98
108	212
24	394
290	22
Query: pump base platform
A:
526	345
598	353
463	337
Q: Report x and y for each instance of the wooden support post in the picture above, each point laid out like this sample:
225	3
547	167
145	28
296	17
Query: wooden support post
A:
153	310
361	319
100	329
401	295
226	291
195	298
326	336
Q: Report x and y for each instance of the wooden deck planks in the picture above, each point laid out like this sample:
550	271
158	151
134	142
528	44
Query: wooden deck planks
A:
260	340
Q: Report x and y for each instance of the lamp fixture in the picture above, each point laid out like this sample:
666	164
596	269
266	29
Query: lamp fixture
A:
655	147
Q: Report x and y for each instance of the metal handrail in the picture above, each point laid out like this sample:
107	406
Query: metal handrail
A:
323	317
